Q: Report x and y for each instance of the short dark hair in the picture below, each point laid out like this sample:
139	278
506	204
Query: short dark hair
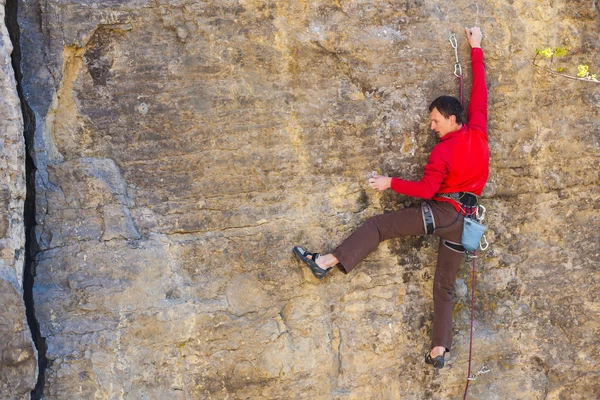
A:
447	106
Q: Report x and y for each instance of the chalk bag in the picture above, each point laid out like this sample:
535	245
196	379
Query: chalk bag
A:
471	234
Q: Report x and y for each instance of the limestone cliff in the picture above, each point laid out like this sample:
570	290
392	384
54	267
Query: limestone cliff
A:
183	147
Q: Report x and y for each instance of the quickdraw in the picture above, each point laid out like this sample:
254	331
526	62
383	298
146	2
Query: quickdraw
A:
458	69
483	370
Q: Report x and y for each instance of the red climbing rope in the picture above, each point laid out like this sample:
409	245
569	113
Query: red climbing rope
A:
460	89
469	377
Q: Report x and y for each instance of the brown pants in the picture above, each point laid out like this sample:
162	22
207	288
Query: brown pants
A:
409	221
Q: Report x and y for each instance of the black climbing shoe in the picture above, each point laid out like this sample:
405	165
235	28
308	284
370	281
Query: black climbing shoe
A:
437	362
304	255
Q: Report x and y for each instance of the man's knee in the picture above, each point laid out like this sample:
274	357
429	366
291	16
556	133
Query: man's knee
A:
375	221
372	223
443	292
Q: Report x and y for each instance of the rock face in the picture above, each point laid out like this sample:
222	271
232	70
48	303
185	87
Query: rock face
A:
18	362
183	147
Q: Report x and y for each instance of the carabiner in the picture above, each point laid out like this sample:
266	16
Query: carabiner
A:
454	44
484	369
481	216
483	243
453	41
457	70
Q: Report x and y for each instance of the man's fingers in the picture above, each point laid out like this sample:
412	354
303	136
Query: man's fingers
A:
470	31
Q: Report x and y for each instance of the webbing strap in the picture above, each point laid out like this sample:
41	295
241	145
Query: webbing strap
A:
428	220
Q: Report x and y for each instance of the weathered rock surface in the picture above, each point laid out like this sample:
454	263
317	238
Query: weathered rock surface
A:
183	147
18	362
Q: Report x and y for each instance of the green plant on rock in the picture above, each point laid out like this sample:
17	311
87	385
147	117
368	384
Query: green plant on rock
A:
583	73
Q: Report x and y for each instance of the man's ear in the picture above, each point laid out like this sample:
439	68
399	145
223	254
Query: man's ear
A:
452	118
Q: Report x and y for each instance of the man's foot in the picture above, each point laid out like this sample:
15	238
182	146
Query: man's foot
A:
436	357
318	264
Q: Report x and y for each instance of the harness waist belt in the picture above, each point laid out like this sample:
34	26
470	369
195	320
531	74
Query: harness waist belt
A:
465	198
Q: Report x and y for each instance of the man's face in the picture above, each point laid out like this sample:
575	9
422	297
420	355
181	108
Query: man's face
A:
442	125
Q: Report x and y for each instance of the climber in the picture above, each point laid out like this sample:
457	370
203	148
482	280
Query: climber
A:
453	179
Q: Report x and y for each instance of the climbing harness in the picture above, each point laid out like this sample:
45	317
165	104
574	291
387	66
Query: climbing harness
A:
457	68
468	201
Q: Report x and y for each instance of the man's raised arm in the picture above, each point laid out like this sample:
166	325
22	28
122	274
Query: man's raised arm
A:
477	113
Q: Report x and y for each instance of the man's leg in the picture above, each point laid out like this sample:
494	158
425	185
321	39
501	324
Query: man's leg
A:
449	228
449	259
376	229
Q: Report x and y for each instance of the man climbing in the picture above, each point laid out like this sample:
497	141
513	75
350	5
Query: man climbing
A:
453	179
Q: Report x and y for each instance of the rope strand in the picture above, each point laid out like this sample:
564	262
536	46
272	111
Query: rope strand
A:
471	332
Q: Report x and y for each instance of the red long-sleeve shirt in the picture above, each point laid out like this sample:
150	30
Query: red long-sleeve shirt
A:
460	161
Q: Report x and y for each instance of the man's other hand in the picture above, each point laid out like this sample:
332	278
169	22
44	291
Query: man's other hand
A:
380	183
474	36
